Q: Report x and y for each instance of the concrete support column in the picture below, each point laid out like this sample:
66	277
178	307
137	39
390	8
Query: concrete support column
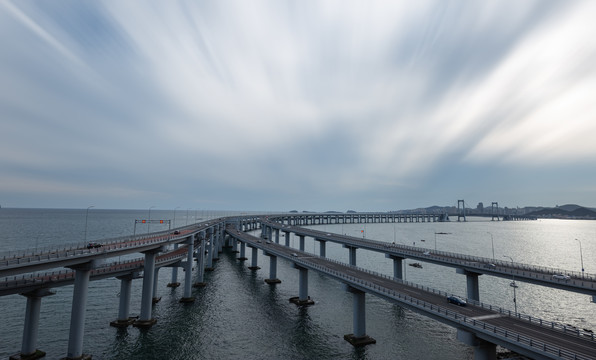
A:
359	337
28	346
287	233
322	247
174	283
471	284
277	236
209	251
155	299
398	269
77	315
352	254
483	350
200	255
302	298
188	298
301	237
124	306
234	245
216	241
254	259
145	320
242	251
272	270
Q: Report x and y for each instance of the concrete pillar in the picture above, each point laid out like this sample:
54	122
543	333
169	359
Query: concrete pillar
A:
483	350
322	247
77	315
287	233
471	284
174	283
200	254
124	306
216	241
155	299
254	259
301	237
272	270
209	251
302	298
187	298
145	319
359	337
242	251
352	254
398	269
28	346
277	236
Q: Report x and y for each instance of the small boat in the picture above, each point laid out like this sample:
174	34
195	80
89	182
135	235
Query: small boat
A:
416	265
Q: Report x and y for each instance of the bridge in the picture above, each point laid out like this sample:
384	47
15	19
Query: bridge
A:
480	325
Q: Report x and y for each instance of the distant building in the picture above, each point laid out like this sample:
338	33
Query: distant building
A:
480	208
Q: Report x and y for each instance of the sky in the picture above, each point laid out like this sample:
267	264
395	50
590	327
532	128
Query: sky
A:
297	105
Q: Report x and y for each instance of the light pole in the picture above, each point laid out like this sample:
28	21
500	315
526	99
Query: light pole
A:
492	244
86	216
177	207
149	222
513	284
187	216
581	256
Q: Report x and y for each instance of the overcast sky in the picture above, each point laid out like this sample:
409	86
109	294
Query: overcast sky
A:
307	105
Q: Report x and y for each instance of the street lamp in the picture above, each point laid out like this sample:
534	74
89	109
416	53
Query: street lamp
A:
581	256
86	216
177	207
149	222
513	284
492	244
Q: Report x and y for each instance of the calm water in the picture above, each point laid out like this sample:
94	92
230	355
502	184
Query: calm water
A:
239	316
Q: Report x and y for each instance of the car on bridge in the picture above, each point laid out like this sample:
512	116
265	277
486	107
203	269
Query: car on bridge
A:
456	300
561	277
94	245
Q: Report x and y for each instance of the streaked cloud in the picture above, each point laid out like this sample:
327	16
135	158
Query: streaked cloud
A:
358	101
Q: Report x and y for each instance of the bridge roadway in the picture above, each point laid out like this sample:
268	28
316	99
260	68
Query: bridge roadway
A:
491	324
79	254
472	265
48	280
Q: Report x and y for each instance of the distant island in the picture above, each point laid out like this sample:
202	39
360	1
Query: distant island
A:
569	211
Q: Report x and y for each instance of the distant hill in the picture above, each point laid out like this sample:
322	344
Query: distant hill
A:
565	212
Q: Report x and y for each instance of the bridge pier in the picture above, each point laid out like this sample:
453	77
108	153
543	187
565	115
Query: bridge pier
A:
28	346
398	268
188	298
287	233
145	320
242	251
77	315
277	236
209	250
200	255
254	259
124	307
322	247
272	270
155	299
174	283
359	337
483	350
302	298
216	241
301	237
352	254
472	287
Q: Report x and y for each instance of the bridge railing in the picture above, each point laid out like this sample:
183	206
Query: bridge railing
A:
478	325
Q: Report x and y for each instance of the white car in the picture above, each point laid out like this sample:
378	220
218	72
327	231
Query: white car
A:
426	253
561	277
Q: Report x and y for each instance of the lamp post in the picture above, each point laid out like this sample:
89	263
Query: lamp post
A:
581	256
513	284
492	244
86	217
187	216
177	207
149	222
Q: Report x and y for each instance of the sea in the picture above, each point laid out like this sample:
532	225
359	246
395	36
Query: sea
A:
239	316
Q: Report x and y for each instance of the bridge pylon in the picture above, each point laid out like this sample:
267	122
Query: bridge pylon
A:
461	213
494	210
